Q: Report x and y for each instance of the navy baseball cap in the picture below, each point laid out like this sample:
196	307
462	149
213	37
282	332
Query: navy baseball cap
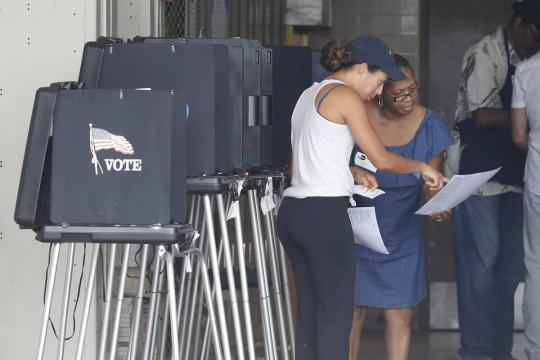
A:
371	50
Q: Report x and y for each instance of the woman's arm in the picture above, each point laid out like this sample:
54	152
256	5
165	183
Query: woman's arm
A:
437	164
354	113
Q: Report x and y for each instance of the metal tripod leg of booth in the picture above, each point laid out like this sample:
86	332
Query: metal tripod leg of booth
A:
88	301
208	297
230	276
217	280
276	283
66	301
119	301
185	320
244	286
48	299
286	292
266	309
107	303
172	303
134	339
152	319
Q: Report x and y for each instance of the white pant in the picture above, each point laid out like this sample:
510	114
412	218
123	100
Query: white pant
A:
531	298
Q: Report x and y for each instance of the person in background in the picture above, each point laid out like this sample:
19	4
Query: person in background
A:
526	136
396	282
488	226
313	224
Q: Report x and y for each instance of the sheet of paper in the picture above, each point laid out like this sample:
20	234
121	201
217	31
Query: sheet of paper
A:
366	229
365	192
458	189
234	208
267	201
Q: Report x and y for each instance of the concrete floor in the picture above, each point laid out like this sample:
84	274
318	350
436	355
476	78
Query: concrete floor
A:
434	345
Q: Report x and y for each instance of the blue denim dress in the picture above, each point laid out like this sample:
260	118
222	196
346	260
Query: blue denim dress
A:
398	280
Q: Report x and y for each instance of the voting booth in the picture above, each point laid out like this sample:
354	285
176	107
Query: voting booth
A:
115	157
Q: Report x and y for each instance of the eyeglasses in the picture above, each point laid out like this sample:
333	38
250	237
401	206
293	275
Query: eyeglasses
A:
412	92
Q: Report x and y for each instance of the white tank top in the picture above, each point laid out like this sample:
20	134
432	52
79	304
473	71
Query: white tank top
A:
321	151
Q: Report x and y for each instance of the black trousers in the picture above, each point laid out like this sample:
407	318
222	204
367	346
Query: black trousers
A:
317	236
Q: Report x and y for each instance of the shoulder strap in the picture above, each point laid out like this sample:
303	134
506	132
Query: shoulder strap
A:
325	95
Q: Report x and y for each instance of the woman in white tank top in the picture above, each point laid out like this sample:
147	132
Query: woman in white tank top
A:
313	224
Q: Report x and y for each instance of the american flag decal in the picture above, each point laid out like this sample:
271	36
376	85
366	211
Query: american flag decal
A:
103	140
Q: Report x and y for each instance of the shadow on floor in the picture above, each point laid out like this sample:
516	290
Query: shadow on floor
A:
433	345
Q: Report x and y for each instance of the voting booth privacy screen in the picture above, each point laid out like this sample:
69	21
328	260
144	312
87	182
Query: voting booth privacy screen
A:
116	157
200	71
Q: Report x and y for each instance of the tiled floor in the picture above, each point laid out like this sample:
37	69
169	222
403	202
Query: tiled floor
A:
435	345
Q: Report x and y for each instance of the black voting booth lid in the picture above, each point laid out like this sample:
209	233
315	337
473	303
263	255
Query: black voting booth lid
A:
199	70
32	206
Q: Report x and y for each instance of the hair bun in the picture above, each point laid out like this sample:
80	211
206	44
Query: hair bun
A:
335	54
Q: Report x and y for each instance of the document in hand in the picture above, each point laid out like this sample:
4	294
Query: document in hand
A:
458	189
365	228
365	192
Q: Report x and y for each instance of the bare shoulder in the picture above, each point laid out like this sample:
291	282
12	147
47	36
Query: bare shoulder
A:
348	99
420	111
346	93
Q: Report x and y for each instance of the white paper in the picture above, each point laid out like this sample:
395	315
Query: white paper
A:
366	229
361	159
234	208
188	264
365	192
458	189
267	201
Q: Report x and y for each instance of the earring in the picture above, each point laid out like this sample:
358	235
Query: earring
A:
380	101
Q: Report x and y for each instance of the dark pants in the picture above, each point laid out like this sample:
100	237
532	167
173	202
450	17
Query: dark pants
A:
488	239
317	236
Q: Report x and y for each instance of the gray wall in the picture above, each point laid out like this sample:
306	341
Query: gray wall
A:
395	21
42	42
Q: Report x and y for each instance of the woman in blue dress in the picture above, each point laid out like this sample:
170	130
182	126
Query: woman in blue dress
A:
396	282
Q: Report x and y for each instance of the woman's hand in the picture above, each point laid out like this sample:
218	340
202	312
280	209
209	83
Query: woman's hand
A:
441	216
364	178
433	179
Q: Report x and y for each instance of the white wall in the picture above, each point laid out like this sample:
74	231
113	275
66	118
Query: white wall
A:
132	18
41	42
